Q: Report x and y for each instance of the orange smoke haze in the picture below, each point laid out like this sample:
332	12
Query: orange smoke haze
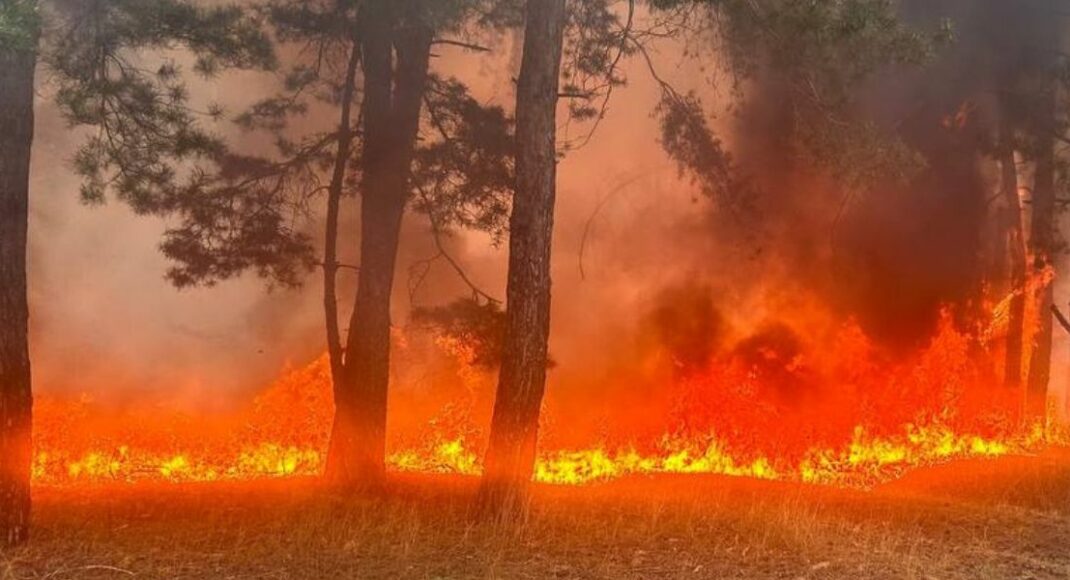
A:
678	346
821	407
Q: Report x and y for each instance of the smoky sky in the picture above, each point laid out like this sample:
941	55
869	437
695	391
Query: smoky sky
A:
106	323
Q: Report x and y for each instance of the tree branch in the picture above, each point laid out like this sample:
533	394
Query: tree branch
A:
436	234
597	210
464	45
1062	319
330	260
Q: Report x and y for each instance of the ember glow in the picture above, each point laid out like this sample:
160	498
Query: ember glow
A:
825	408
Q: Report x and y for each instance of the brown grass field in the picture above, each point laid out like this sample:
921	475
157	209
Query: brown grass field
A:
1006	518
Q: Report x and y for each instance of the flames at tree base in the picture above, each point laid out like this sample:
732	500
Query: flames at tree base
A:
819	408
866	462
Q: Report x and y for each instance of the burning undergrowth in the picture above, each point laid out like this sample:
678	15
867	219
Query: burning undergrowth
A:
803	397
843	338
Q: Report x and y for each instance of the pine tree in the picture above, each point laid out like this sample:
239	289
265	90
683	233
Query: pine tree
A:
404	137
145	131
814	43
510	456
18	42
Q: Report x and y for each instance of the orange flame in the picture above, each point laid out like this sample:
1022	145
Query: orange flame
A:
832	412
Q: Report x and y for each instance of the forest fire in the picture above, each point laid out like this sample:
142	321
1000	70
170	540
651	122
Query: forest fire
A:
760	409
677	289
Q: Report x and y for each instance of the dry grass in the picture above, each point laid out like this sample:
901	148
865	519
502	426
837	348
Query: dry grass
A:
997	519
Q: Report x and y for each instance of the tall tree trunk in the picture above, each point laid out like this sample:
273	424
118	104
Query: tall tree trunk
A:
334	200
16	402
1043	242
514	427
1015	249
393	98
1042	116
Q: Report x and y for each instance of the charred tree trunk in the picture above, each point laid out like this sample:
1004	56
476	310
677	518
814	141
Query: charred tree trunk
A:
16	402
1014	237
511	452
393	97
1043	242
1042	117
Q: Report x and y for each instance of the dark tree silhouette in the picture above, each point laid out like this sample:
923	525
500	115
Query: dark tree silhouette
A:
1027	75
18	41
395	57
817	46
404	137
1043	240
144	132
522	381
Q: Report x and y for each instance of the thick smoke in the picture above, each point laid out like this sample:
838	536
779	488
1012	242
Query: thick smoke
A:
647	281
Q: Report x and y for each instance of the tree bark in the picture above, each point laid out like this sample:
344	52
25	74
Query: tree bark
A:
16	402
334	199
1043	246
393	97
510	456
1015	250
1042	116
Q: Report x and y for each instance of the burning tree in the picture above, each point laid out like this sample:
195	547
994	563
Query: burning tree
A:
1032	119
817	48
928	141
1005	121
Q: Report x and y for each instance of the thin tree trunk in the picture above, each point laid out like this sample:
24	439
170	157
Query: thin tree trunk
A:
1042	117
392	107
1014	238
1043	248
334	198
514	427
16	402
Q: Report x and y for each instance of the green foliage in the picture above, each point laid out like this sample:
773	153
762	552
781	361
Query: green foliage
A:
19	25
152	149
249	212
858	154
834	44
321	22
239	219
146	129
689	141
597	41
464	173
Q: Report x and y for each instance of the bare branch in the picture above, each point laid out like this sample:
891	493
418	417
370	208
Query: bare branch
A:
458	43
597	210
1061	318
436	235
